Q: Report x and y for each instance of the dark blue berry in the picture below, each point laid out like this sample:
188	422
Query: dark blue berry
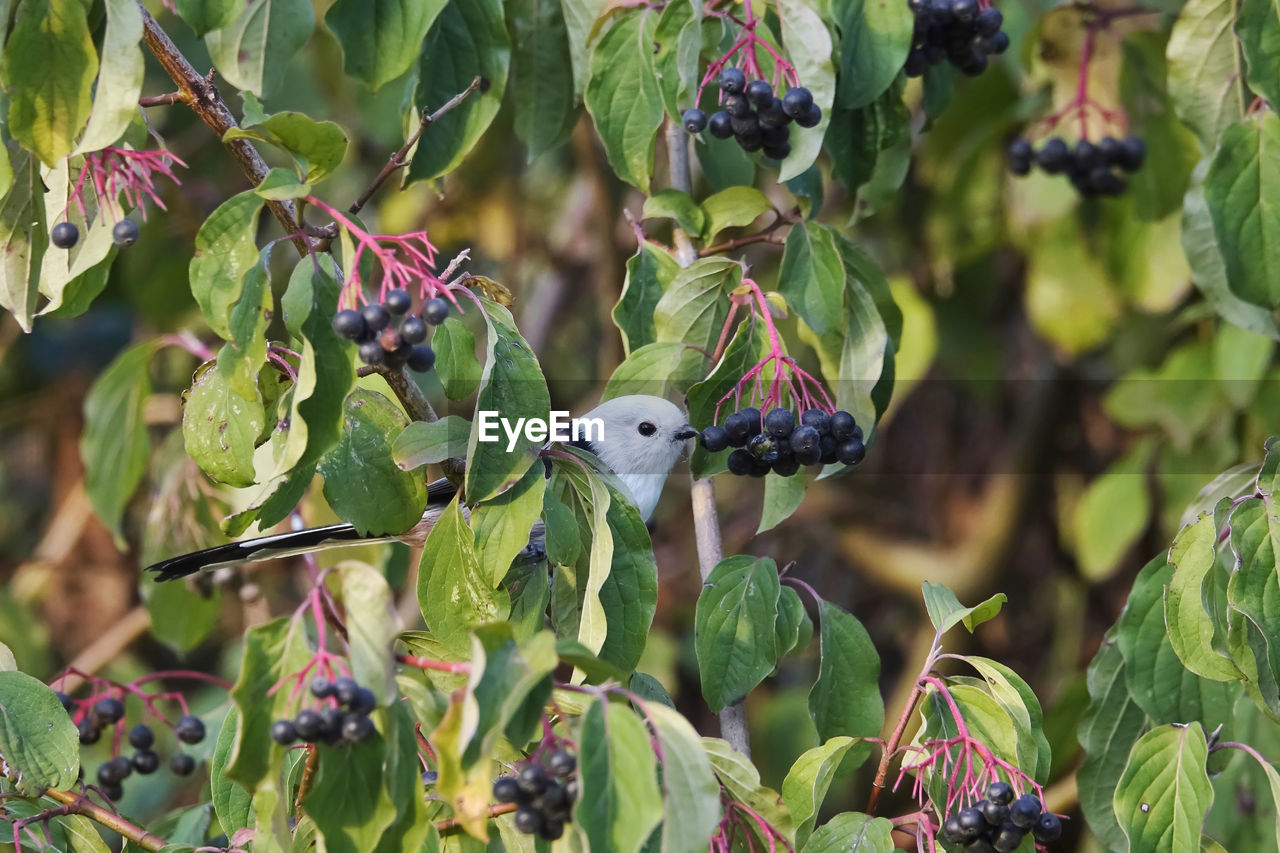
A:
125	233
1000	792
398	301
436	310
759	93
422	358
1025	811
189	729
714	439
811	118
109	710
182	764
733	81
283	732
348	324
141	736
1048	828
64	235
797	101
721	125
694	120
145	761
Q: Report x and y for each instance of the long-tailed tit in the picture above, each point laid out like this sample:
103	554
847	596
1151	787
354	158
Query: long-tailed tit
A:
639	438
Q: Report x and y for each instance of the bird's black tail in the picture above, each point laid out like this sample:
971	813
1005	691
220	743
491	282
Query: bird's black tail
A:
262	548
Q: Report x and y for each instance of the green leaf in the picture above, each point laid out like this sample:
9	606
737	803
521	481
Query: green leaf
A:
512	385
49	101
38	741
736	207
272	651
794	629
852	832
690	793
675	64
225	252
782	497
1108	730
7	661
748	346
231	802
1156	678
348	800
649	271
580	657
428	443
578	18
658	369
454	593
860	140
542	75
83	837
1258	26
115	102
316	146
1020	703
1164	792
620	802
181	616
1206	72
845	699
734	628
282	184
695	305
362	483
502	524
678	205
506	680
623	97
380	39
371	628
874	41
69	277
1242	189
1190	628
114	446
253	50
221	427
467	40
808	43
1112	513
456	364
23	239
812	277
945	610
741	781
205	15
808	780
1254	595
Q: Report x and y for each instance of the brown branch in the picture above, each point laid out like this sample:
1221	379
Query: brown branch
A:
81	805
730	245
450	824
308	776
891	745
165	100
399	159
202	96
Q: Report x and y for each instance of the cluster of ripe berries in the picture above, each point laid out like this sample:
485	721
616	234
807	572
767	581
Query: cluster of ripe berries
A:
64	235
109	711
331	725
543	792
777	443
960	31
1091	167
756	117
381	343
1000	822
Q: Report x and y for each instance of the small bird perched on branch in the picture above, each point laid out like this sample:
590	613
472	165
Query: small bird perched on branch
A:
640	439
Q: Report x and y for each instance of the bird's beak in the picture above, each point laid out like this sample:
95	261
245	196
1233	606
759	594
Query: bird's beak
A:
686	432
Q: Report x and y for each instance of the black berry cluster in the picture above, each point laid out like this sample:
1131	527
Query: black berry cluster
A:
754	115
544	792
109	711
1095	169
381	343
960	31
1000	822
331	725
775	442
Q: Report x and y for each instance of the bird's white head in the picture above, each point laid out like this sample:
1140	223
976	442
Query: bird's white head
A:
640	439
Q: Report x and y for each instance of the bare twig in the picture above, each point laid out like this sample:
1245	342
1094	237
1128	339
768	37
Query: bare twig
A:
706	521
203	98
308	777
164	100
400	158
79	804
452	825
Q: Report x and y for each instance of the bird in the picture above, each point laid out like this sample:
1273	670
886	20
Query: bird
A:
639	438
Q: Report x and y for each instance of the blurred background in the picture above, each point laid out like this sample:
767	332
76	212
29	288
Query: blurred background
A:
1062	395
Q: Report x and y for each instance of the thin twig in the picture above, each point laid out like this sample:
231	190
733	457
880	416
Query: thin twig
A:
400	158
730	245
308	776
451	824
164	100
706	521
203	98
891	746
79	804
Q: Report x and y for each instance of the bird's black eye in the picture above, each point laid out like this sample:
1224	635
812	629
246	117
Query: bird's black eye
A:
646	428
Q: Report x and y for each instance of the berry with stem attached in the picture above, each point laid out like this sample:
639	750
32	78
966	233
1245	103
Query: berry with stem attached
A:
125	233
189	729
694	120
